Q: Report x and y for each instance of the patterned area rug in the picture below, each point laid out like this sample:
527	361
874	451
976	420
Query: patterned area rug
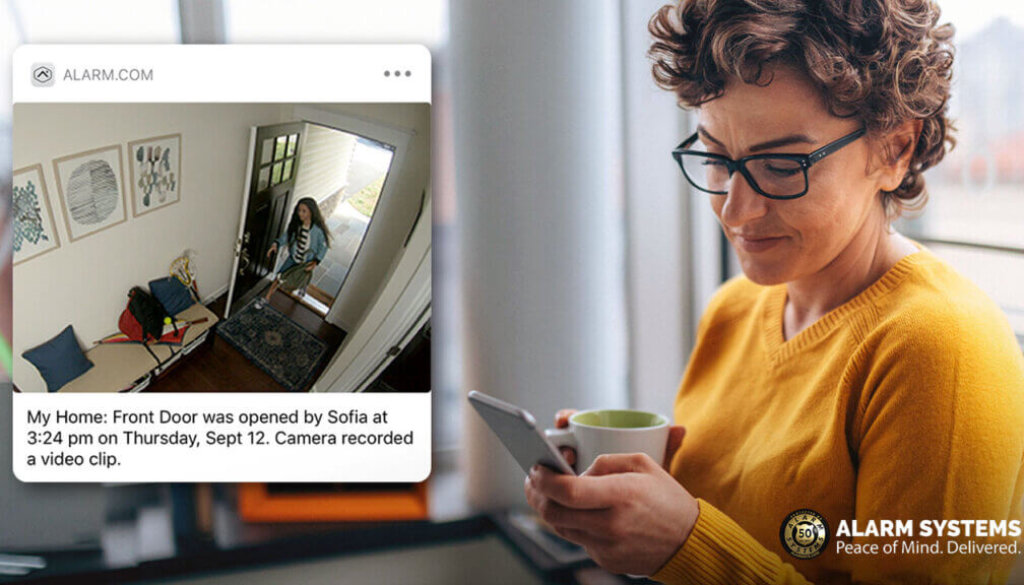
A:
275	343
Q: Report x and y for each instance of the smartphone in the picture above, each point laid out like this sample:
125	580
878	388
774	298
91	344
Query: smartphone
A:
518	431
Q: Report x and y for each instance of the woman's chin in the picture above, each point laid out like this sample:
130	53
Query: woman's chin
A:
764	273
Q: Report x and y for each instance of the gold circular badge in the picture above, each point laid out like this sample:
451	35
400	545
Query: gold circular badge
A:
804	534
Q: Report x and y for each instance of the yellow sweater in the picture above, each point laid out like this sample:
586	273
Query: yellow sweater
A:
905	403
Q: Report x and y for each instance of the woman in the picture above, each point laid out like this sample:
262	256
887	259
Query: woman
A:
849	371
307	238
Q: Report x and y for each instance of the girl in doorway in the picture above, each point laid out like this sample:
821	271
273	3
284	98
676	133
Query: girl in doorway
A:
307	238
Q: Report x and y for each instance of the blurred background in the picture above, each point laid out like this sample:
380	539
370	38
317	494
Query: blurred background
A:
571	261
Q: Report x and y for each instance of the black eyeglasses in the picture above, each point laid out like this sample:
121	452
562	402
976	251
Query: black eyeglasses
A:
775	176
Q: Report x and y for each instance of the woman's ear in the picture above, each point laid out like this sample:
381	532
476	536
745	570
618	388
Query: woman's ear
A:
897	150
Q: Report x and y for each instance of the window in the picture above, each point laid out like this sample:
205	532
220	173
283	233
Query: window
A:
352	21
975	213
73	21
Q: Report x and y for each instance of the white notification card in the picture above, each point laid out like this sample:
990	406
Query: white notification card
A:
360	437
222	263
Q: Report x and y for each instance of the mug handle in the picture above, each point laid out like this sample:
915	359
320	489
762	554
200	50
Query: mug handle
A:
563	438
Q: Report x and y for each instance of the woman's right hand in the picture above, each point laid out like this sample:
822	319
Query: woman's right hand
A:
675	438
271	249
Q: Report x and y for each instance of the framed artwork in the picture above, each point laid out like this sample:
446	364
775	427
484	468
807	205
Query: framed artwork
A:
91	188
155	165
33	231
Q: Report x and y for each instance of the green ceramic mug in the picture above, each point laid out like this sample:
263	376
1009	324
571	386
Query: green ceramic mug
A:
594	432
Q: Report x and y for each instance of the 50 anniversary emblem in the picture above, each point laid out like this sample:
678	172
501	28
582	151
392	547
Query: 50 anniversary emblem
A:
804	534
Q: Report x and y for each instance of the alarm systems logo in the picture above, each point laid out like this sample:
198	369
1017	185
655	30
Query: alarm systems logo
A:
804	534
43	74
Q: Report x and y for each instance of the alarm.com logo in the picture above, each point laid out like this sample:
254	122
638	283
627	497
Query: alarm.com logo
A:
43	74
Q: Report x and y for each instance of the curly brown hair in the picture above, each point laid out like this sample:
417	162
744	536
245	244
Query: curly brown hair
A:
883	62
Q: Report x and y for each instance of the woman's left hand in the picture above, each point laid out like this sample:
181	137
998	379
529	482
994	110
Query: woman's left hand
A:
629	514
310	265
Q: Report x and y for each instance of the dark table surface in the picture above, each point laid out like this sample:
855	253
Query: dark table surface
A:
237	545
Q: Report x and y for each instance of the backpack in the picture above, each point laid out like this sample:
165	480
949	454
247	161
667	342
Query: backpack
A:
144	317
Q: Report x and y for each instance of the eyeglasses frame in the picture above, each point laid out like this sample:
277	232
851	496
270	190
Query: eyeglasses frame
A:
806	161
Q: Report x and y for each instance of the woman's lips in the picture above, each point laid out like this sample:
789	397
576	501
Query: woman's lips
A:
756	244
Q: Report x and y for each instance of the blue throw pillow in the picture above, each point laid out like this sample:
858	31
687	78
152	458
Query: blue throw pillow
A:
173	295
59	360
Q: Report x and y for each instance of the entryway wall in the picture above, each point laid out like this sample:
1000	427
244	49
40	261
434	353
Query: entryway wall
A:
85	282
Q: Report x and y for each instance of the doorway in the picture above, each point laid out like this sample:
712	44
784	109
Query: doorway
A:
362	169
344	172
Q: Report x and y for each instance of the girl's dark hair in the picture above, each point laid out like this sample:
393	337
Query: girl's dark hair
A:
883	62
316	219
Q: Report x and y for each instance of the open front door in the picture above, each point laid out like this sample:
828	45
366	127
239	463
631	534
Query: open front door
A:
273	163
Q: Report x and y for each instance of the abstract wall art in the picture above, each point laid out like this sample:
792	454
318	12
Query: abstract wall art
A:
91	190
33	231
155	165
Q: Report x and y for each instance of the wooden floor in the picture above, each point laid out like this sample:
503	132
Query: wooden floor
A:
219	367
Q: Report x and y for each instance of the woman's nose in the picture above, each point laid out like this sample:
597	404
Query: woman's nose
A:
742	204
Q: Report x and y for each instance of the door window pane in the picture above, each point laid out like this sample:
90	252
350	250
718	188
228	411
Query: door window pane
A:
264	180
279	148
267	151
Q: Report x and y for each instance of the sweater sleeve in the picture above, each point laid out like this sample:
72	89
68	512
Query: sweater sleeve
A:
719	551
938	433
